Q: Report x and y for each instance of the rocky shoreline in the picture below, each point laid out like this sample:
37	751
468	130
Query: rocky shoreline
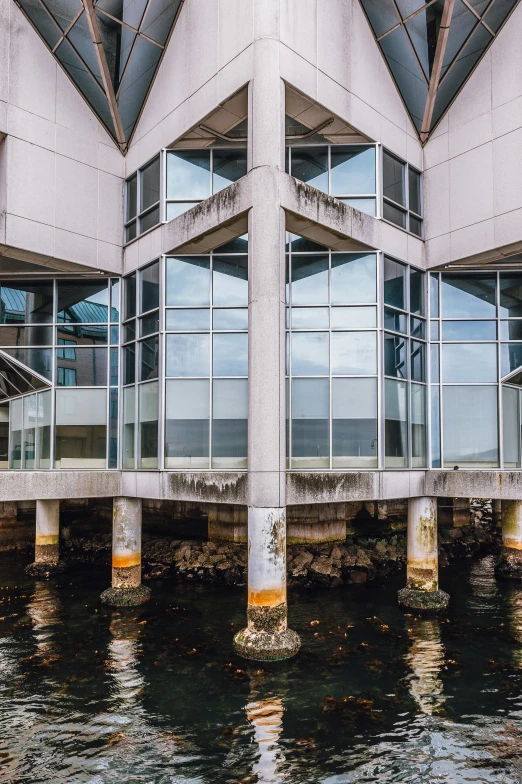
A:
378	553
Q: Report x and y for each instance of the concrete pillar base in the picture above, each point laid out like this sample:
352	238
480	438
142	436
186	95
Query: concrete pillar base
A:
45	568
510	565
126	597
423	600
267	646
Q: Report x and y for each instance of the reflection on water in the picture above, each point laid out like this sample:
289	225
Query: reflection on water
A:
156	695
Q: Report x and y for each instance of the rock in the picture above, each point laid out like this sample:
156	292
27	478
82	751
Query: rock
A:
357	576
362	559
322	566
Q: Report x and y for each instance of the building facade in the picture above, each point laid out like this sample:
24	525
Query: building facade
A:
260	255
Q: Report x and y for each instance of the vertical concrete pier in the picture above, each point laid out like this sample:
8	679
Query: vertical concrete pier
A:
510	564
422	578
126	589
266	636
47	540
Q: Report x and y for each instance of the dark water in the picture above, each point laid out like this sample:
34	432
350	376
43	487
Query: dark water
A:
157	695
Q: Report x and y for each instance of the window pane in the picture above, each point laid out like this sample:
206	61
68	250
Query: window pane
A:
465	362
415	226
310	423
229	166
150	184
85	335
310	318
395	356
149	220
354	278
188	174
354	318
354	423
113	428
113	367
396	321
417	328
369	206
418	361
394	283
83	301
354	353
186	319
187	429
149	358
129	331
469	330
131	231
468	296
130	296
230	318
510	294
43	430
15	431
434	330
470	427
229	423
353	170
310	280
230	281
414	181
418	426
129	424
132	193
26	336
188	355
394	215
188	281
435	427
150	287
395	424
434	359
511	426
149	324
510	357
393	178
115	300
310	164
230	354
29	435
129	364
148	413
510	330
434	296
417	283
175	208
37	359
81	428
310	354
87	369
26	303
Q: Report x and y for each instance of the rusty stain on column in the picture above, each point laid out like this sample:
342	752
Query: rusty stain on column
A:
126	589
422	578
47	540
510	564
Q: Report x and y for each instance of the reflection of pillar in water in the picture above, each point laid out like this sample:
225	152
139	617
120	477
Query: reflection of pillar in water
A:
44	609
425	658
123	652
266	716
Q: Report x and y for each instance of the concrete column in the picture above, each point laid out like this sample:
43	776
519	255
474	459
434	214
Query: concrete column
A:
126	589
496	512
266	636
510	564
47	541
422	578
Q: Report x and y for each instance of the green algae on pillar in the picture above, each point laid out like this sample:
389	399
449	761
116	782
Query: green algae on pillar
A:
126	589
422	579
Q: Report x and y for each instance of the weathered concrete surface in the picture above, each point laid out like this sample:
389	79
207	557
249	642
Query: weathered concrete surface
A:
510	565
126	589
34	485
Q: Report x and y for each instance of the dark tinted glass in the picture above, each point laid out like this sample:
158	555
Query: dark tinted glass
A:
150	183
149	358
229	166
395	356
394	283
136	82
394	215
130	296
310	164
132	194
417	294
510	294
414	184
395	321
150	287
407	73
393	178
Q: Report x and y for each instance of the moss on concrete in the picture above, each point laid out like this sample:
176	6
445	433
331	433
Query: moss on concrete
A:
423	600
263	646
44	569
126	597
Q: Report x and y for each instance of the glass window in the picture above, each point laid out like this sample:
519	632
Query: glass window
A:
354	318
469	330
470	422
395	424
113	428
310	165
417	328
29	434
435	427
510	357
230	318
418	426
150	287
394	214
129	424
150	184
115	300
175	208
414	184
81	428
148	414
354	423
310	423
353	170
88	369
37	359
188	281
511	426
469	362
434	367
26	336
417	284
83	301
394	283
434	296
131	232
188	174
230	354
132	197
310	354
310	318
85	335
393	179
149	220
130	296
4	436
113	366
22	302
418	361
510	294
229	423
395	356
129	364
228	166
184	320
149	350
434	330
354	278
188	355
187	429
149	324
16	432
415	225
510	330
310	280
230	281
468	296
43	430
354	353
396	321
364	205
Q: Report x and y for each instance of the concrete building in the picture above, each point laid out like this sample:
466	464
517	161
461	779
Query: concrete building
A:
264	256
